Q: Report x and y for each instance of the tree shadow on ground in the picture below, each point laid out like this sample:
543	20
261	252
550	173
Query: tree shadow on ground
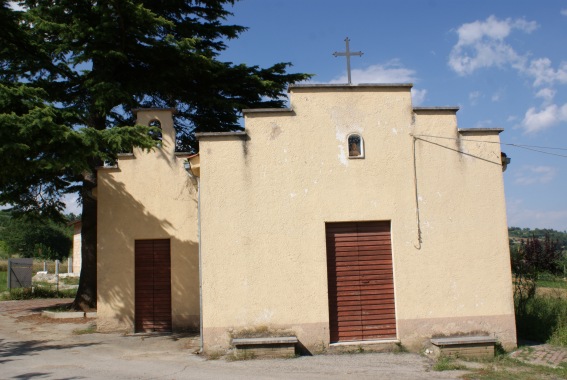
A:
59	306
173	336
11	350
39	375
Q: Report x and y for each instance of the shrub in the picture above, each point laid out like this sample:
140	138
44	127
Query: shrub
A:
37	292
543	319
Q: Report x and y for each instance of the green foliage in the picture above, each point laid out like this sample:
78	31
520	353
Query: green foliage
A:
505	368
519	233
110	58
37	292
91	329
543	319
525	279
4	251
69	280
543	254
546	253
44	154
72	72
546	280
32	237
446	363
530	259
3	281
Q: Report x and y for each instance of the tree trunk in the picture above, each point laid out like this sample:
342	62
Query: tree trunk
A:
86	294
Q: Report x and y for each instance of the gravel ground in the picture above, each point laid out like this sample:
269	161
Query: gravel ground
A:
31	347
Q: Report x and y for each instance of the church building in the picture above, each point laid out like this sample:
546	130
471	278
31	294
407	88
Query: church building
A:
350	217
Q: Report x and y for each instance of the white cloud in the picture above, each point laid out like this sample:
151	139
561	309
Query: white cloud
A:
521	215
536	121
529	175
492	28
498	95
511	118
481	44
564	12
418	96
390	72
483	124
547	94
71	204
474	96
69	200
15	6
542	72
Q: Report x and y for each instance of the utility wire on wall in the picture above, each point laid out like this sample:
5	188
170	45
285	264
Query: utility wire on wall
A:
416	197
533	148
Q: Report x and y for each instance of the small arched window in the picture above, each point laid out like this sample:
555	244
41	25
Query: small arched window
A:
156	135
355	146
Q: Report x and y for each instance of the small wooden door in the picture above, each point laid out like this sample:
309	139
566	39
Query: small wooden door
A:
153	285
361	281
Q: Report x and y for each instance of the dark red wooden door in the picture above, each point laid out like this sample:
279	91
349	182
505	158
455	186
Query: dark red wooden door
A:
361	281
153	285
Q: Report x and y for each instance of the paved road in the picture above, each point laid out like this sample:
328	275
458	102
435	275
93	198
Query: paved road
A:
30	348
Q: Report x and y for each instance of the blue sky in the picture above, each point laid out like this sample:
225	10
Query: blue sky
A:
504	63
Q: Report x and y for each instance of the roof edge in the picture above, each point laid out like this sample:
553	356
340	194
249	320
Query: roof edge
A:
219	134
266	110
348	86
136	110
433	109
481	130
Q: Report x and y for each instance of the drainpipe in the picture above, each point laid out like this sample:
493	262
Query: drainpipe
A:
187	166
200	264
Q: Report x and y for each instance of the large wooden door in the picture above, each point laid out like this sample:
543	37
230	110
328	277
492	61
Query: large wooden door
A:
361	281
153	285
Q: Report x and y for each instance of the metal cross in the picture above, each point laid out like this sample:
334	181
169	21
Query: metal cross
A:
347	54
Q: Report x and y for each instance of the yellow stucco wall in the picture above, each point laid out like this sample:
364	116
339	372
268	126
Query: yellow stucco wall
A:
77	242
267	194
149	195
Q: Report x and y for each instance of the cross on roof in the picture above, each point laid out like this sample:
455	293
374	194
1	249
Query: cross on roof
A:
347	54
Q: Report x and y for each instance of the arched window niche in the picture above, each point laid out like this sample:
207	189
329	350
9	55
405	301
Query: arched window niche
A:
156	135
355	146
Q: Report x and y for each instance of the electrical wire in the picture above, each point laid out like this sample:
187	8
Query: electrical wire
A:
533	148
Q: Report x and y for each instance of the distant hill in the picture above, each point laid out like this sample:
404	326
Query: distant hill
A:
516	234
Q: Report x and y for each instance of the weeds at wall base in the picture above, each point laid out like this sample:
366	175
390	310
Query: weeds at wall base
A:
240	356
400	349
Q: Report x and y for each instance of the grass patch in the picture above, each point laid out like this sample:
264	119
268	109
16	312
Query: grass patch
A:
69	280
546	280
37	292
3	281
543	319
89	330
505	368
446	363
